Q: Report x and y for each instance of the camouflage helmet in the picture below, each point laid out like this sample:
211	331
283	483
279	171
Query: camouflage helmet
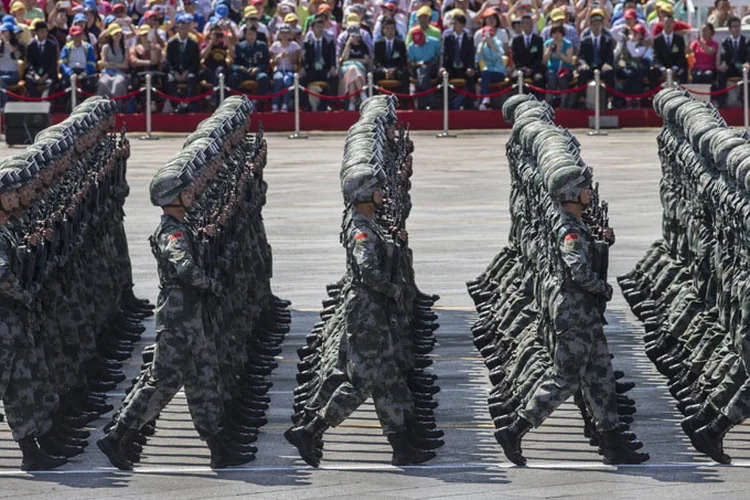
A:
358	185
566	183
741	172
510	104
722	148
664	95
168	183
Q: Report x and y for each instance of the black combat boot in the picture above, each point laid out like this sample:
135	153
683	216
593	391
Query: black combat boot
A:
406	454
223	456
115	445
304	438
698	419
35	458
709	439
510	438
615	449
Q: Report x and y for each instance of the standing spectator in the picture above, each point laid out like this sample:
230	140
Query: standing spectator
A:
457	59
113	81
558	56
390	58
78	58
250	62
183	55
424	56
11	51
669	53
319	59
597	51
216	57
286	56
58	26
707	56
144	57
632	62
41	61
354	60
490	55
733	57
721	14
528	52
424	22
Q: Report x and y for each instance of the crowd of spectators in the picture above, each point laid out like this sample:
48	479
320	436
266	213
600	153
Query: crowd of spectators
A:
408	45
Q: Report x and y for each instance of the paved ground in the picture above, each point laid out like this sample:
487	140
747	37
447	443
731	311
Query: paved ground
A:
458	223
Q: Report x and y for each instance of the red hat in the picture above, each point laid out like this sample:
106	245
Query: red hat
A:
75	30
417	36
630	14
149	14
118	6
639	28
390	6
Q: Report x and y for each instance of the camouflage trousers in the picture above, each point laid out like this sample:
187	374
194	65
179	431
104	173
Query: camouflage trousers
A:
581	360
735	387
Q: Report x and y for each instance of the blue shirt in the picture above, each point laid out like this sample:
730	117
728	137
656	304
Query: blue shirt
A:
427	52
493	61
554	62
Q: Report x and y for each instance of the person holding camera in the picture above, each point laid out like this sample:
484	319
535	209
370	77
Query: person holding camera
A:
216	56
633	61
558	57
354	61
11	51
490	52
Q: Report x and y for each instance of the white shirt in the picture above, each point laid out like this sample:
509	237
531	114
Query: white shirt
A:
77	57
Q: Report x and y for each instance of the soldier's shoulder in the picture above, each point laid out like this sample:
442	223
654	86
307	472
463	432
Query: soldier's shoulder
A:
170	229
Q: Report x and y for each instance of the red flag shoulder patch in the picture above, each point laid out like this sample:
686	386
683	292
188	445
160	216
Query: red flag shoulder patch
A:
175	236
571	237
361	236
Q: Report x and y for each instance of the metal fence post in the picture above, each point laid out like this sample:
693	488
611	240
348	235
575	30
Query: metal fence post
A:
296	134
520	82
370	85
446	107
597	104
148	135
73	91
669	77
745	100
221	87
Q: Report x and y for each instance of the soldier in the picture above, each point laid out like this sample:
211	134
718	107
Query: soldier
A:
181	346
581	358
368	349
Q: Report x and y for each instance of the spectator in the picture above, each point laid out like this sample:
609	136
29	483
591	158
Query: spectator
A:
354	20
558	18
491	18
92	22
229	27
58	26
113	81
250	62
216	56
134	8
423	16
252	18
190	8
528	52
432	18
183	55
33	12
597	51
558	57
423	54
285	8
390	58
124	21
489	59
619	11
331	27
621	29
319	59
286	56
721	14
144	57
707	56
388	11
78	58
17	10
460	6
11	51
734	56
665	10
354	60
80	21
457	58
23	32
669	53
633	62
42	54
157	35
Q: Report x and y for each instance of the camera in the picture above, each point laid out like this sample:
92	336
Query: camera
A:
553	46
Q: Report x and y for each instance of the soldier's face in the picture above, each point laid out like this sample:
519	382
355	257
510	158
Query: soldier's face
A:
187	198
377	196
9	201
585	196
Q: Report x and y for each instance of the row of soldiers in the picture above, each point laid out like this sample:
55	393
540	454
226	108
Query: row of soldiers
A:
218	324
690	289
377	328
69	315
541	302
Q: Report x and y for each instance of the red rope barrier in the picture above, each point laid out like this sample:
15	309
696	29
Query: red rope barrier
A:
36	99
331	98
642	95
410	96
715	92
260	97
556	92
119	98
184	99
483	96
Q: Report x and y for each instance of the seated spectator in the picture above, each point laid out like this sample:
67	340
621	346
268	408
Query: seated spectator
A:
457	59
433	16
462	7
158	35
330	27
124	21
200	20
11	51
491	18
390	58
78	58
285	7
250	62
252	18
33	12
423	54
424	22
388	11
183	57
286	57
216	55
597	51
93	25
145	57
621	29
229	27
633	62
707	56
80	20
319	59
42	54
558	17
354	59
619	11
134	8
528	52
558	57
18	10
665	10
719	18
113	81
354	20
489	59
669	53
733	57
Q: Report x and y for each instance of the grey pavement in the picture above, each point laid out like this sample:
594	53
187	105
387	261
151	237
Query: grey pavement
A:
459	222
